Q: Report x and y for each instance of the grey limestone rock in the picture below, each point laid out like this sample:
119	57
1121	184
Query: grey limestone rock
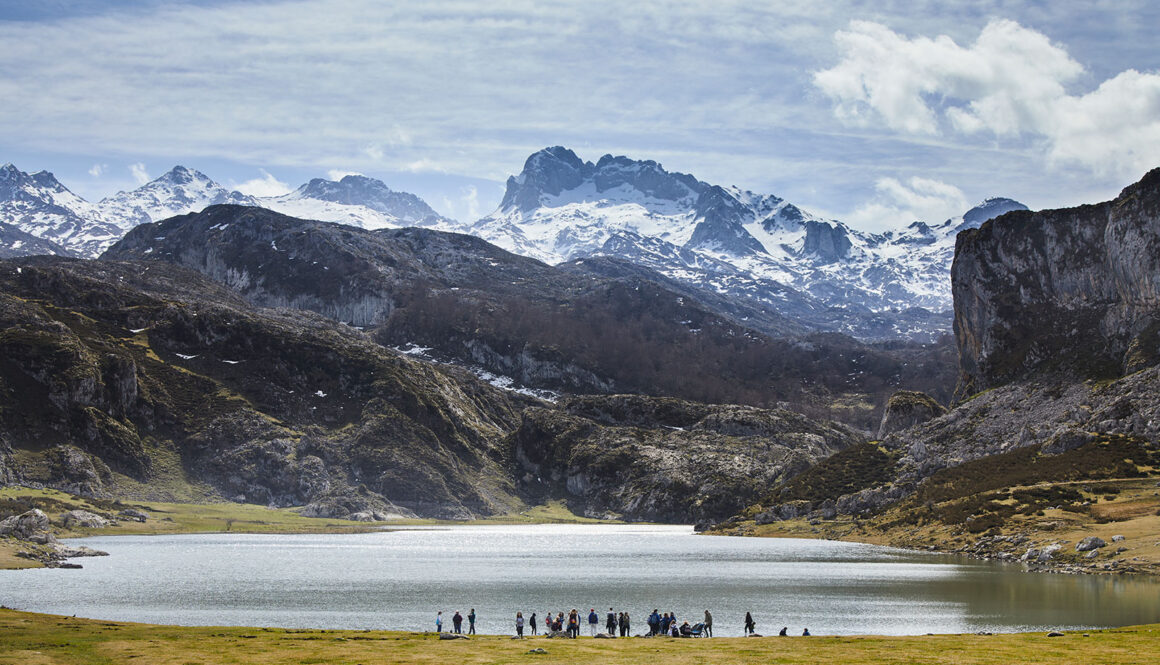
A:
1090	543
26	526
83	518
906	409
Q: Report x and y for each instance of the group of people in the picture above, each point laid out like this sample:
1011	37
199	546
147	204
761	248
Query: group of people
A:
666	624
457	622
659	625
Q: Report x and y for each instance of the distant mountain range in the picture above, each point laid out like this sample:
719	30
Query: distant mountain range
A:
39	205
759	250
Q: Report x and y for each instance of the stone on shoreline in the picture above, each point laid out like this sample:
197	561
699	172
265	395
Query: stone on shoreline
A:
83	518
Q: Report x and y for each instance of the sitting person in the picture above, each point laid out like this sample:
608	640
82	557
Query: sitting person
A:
783	629
686	630
675	630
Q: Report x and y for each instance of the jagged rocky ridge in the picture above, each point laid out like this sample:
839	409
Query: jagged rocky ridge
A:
1054	321
149	380
757	248
599	325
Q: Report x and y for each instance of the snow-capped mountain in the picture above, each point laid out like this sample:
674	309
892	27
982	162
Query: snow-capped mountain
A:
179	191
356	200
14	242
38	205
761	247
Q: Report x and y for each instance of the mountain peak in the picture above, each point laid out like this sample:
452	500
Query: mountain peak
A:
359	190
551	172
989	209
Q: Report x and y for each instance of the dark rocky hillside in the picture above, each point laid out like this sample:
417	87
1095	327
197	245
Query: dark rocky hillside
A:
665	460
128	378
592	326
151	381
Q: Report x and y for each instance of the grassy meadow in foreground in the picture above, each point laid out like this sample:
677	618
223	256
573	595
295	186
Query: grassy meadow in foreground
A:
35	639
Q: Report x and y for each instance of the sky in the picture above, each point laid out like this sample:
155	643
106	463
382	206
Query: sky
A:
875	113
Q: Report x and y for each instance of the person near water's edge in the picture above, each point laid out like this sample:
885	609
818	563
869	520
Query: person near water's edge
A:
610	623
519	624
532	623
783	631
457	623
593	621
708	624
471	622
749	624
439	622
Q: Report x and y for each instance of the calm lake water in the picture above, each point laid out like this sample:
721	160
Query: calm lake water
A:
399	579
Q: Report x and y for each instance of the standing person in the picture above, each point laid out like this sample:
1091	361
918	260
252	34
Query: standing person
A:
439	622
519	624
625	625
574	623
749	624
610	623
708	624
533	623
654	623
457	623
471	622
665	622
593	621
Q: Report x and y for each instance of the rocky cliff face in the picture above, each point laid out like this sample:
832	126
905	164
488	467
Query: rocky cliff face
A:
1075	291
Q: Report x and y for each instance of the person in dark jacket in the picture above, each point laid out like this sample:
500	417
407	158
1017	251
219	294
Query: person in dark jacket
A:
471	622
750	625
654	623
783	632
457	622
532	623
708	624
593	621
624	624
610	623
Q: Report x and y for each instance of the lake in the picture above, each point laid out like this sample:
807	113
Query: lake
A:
398	579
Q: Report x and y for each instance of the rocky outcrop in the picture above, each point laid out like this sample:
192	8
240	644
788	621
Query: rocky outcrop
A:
908	408
1074	291
665	460
32	526
83	519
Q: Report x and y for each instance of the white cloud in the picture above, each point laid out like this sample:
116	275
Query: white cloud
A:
424	165
918	199
1012	81
339	174
97	170
266	185
140	175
